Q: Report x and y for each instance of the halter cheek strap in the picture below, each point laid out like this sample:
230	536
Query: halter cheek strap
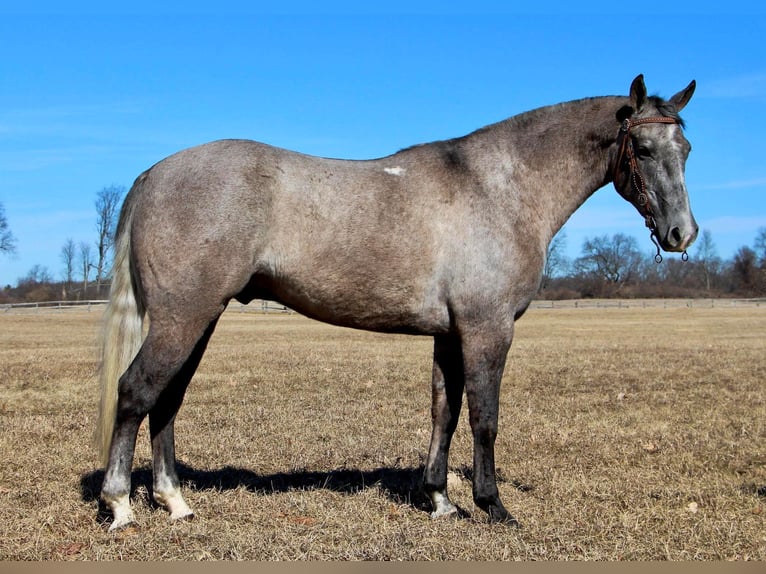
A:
637	194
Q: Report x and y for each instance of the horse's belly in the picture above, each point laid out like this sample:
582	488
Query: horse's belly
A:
376	301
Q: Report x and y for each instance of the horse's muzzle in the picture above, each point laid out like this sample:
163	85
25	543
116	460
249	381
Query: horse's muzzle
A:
679	238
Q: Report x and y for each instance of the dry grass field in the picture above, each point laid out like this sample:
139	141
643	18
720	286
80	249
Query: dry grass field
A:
625	434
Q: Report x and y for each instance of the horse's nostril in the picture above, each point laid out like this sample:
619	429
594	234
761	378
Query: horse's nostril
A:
674	236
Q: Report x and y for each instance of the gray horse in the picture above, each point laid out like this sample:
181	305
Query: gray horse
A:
446	239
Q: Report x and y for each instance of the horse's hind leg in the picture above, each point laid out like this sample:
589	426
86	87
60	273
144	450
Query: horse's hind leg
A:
160	365
166	488
446	400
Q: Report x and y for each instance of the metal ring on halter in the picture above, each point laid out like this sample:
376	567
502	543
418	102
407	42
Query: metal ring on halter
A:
684	256
653	237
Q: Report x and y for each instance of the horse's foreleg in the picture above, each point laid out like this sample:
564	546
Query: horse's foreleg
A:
446	399
484	360
167	486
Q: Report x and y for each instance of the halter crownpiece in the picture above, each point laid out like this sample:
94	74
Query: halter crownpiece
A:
640	198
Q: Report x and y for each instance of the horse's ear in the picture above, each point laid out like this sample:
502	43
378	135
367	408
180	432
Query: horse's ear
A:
682	98
638	92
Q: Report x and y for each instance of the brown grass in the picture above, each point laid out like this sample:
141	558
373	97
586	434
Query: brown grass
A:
625	434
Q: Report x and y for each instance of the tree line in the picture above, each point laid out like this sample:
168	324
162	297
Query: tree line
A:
615	266
608	266
85	263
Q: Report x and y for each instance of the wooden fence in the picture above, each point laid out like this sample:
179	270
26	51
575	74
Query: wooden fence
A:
646	303
41	306
258	306
264	306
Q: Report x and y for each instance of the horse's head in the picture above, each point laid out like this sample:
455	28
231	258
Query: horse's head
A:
649	167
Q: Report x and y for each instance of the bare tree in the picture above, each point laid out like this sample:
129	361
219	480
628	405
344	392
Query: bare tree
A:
745	275
556	261
38	274
107	209
615	260
68	257
706	258
85	265
7	240
760	247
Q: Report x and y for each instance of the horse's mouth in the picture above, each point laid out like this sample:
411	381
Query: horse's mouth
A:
678	240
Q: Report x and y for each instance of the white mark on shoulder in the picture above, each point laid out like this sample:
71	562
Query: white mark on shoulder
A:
400	171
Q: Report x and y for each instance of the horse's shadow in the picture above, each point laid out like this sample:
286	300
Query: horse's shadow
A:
400	485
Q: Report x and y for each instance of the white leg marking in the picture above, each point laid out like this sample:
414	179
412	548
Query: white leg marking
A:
175	504
123	514
442	505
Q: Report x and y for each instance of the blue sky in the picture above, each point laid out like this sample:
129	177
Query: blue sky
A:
92	96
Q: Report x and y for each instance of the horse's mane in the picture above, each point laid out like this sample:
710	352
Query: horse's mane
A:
663	106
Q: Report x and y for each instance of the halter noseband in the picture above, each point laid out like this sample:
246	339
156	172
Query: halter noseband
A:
640	198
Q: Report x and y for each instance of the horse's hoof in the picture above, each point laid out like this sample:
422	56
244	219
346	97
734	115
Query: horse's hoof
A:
442	513
507	520
510	522
122	513
123	525
181	516
175	504
499	515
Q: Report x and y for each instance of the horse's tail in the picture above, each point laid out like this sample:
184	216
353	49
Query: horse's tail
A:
122	332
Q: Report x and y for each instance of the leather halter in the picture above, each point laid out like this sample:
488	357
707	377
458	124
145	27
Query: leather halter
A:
639	197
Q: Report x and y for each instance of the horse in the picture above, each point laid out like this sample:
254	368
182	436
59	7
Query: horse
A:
446	239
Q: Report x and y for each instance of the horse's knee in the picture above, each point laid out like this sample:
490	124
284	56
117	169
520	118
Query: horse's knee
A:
485	434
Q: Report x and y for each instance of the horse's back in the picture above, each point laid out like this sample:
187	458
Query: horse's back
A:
350	242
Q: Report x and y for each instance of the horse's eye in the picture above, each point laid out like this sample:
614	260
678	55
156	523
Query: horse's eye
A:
644	152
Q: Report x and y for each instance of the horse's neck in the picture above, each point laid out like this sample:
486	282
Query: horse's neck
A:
560	155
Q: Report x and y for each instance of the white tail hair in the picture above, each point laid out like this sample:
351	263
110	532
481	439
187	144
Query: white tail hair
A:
122	334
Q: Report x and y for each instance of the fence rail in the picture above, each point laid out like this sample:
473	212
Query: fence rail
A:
38	306
258	306
646	303
261	306
265	306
